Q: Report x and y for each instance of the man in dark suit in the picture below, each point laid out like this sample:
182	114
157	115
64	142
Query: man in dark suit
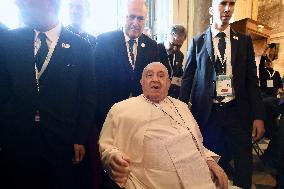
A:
269	79
120	58
171	56
79	11
220	79
78	14
46	100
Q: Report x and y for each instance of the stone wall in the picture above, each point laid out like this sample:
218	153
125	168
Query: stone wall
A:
271	13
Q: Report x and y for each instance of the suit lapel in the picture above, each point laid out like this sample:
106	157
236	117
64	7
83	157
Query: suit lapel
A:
59	56
234	46
140	51
122	51
209	44
25	42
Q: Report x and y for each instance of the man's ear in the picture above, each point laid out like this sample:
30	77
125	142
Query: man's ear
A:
210	10
169	82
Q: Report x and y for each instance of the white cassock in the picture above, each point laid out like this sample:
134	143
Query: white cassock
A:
162	142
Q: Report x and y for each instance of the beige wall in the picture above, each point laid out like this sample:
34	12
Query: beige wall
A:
194	15
279	63
271	13
245	9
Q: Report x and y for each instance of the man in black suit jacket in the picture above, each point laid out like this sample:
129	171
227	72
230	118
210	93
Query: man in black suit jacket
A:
171	56
119	65
78	14
45	111
224	92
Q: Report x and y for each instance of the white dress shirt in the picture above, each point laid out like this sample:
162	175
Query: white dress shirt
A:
228	51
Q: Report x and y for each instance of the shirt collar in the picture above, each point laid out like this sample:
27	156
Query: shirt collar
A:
214	31
128	38
52	34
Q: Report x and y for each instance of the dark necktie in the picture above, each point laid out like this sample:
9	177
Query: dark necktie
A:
42	51
221	63
131	45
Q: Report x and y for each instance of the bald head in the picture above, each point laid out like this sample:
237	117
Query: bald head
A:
155	82
157	65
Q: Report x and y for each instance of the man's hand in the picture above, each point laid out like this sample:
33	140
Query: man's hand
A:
219	176
257	129
79	153
120	168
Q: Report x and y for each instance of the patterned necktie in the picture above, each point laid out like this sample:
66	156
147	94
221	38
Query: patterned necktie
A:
42	51
131	45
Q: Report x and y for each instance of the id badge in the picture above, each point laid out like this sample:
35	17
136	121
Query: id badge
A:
269	83
176	81
224	85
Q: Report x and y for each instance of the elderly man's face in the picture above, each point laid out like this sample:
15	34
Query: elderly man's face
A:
155	82
78	12
135	20
222	11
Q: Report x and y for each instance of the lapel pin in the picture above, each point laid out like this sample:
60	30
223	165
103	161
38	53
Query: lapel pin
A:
65	45
236	37
143	45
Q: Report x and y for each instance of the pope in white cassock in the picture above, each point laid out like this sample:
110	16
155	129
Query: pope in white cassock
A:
153	142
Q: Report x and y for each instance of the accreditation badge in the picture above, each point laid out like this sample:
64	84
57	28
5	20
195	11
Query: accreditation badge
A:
176	81
269	83
224	85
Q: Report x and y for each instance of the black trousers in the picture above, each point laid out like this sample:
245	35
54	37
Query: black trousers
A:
280	156
24	165
225	131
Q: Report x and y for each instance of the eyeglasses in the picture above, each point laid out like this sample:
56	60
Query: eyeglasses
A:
133	17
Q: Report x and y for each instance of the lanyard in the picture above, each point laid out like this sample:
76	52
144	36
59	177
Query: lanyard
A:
271	75
46	62
220	57
181	124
